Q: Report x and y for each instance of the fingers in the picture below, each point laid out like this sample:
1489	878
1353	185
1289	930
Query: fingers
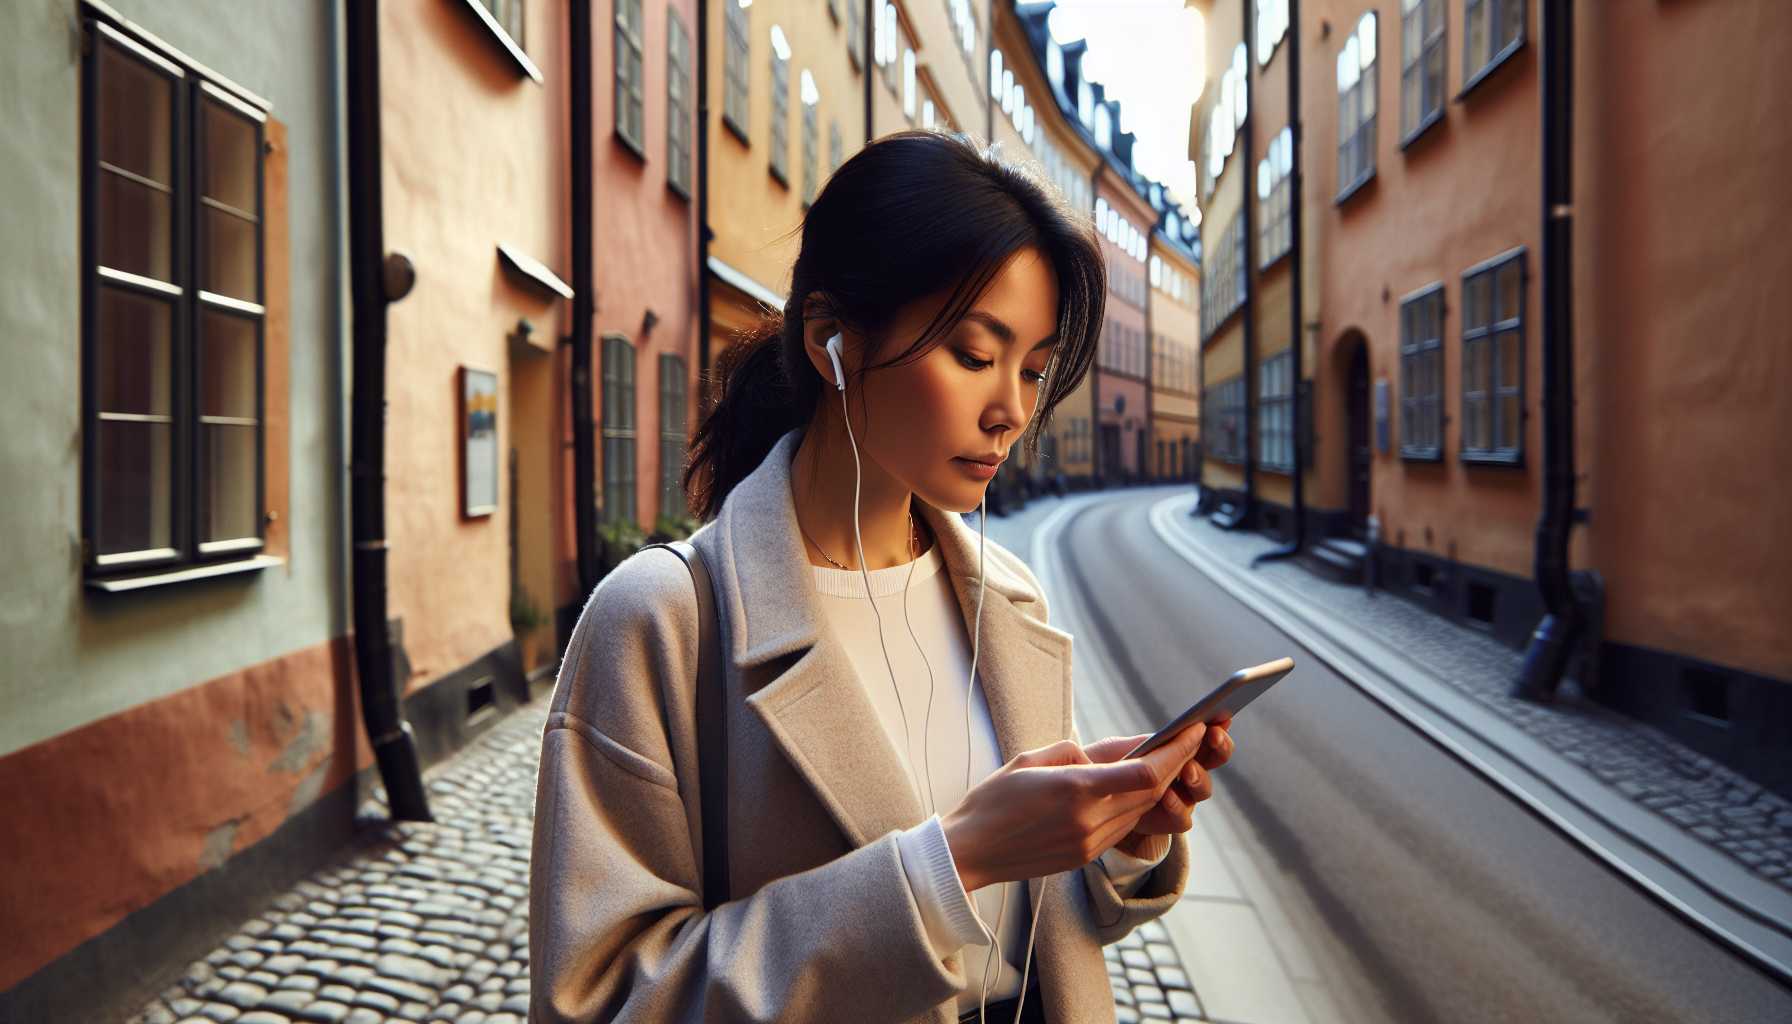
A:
1060	753
1113	748
1216	748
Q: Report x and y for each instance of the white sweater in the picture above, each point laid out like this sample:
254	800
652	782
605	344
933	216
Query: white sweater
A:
941	637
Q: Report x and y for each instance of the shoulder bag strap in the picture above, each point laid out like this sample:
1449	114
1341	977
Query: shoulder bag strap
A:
712	738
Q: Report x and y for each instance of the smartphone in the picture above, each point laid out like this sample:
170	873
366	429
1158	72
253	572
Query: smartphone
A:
1244	686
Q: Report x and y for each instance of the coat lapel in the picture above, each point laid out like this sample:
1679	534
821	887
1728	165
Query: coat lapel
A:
816	708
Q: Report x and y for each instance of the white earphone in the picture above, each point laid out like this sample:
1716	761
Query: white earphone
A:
833	349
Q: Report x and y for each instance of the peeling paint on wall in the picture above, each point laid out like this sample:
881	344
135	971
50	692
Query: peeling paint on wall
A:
313	735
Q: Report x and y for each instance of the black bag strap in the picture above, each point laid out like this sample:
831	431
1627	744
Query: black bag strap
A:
712	737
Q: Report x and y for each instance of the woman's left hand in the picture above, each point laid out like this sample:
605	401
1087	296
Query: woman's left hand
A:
1175	810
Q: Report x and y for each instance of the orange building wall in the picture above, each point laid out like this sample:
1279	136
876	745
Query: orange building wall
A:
645	239
1681	363
472	158
192	779
1465	191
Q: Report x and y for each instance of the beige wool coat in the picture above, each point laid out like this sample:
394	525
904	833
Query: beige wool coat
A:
822	924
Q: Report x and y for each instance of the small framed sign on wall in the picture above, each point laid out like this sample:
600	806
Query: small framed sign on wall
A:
478	442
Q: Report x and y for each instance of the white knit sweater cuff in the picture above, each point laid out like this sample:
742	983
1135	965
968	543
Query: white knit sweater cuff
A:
946	908
1128	872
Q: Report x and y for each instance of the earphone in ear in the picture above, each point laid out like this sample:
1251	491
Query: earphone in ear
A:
834	354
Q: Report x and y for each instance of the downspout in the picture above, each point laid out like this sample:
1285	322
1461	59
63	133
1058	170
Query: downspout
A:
1547	655
390	735
872	13
1247	514
584	302
705	387
1294	312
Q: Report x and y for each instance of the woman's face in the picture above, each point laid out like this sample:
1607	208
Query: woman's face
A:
969	397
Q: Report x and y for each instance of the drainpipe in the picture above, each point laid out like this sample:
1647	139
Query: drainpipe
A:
705	387
1246	514
390	735
584	302
873	10
1565	618
1300	506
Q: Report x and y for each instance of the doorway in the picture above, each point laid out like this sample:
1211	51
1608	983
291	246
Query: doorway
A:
1358	451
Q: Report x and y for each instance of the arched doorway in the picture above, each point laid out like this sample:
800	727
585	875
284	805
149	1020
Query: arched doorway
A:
1358	451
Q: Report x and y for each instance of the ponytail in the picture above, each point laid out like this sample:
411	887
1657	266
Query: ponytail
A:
756	404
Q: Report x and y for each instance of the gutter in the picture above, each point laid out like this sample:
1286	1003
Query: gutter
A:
394	748
1567	615
1295	269
584	303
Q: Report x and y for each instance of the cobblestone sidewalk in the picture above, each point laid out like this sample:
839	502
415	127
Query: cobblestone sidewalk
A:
424	922
419	922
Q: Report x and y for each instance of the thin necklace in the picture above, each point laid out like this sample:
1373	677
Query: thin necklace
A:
913	541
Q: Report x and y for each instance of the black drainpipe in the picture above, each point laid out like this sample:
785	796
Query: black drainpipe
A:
705	397
1297	333
1247	512
584	301
390	735
1556	634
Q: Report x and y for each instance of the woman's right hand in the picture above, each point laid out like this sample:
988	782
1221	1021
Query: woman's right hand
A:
1052	809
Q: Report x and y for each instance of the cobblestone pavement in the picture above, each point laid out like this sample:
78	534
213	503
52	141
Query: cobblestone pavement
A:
419	922
428	921
1639	762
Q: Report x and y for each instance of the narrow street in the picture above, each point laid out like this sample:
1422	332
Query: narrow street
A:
1432	894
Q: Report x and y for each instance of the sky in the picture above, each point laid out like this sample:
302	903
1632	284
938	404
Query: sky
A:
1147	54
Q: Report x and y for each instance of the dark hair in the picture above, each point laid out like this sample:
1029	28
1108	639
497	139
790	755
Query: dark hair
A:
910	215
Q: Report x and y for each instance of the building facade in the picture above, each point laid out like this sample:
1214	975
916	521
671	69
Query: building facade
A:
1426	330
1174	274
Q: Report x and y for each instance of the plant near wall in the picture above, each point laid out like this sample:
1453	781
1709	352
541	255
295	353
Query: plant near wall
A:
525	615
620	538
667	528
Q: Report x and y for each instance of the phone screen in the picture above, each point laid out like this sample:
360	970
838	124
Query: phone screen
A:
1230	697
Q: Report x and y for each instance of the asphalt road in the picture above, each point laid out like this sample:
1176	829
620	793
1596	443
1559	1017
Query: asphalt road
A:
1436	896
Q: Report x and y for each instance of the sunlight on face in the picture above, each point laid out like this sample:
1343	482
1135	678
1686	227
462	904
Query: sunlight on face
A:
973	394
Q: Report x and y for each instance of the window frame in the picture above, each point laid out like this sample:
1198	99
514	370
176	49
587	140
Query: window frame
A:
618	428
1411	352
1496	387
811	146
1275	231
1223	406
1496	58
1434	38
737	75
628	103
192	92
1275	410
674	388
778	159
678	110
1364	133
510	42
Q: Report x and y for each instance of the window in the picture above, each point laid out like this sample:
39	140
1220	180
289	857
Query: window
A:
509	16
780	155
619	428
1493	360
172	315
628	74
1356	108
1275	411
734	67
811	138
908	83
1275	189
1223	408
964	25
673	389
1222	287
855	32
1492	30
995	74
836	147
888	44
1272	25
1421	65
1422	374
678	104
1227	116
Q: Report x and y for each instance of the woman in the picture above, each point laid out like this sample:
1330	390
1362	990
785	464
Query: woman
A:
912	818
